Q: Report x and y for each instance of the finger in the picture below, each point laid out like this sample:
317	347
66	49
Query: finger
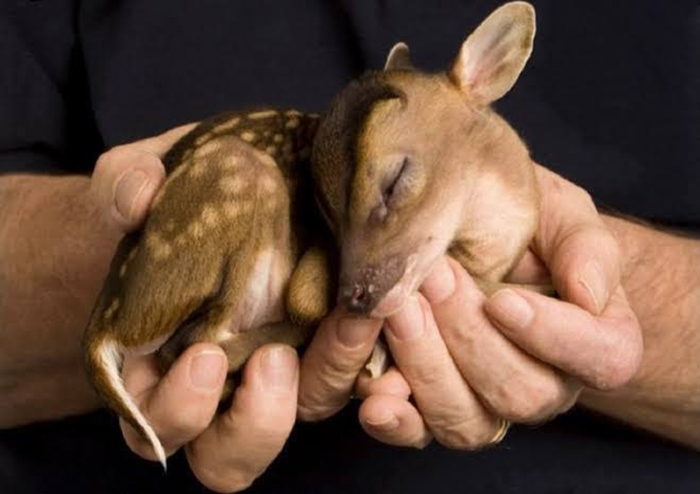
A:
448	405
179	405
335	357
126	178
123	185
572	240
519	387
391	383
604	352
393	420
241	443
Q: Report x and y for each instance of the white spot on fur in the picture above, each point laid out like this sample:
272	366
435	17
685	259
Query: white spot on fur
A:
196	229
227	125
248	136
159	247
292	123
266	159
232	184
197	169
210	217
230	162
267	184
112	308
262	114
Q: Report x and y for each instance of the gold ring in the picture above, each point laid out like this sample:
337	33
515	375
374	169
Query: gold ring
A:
503	426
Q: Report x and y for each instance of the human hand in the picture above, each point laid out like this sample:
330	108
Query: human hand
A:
226	451
470	362
41	365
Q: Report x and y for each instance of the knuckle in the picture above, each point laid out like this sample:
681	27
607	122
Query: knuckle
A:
520	410
581	196
464	435
104	162
314	412
532	403
341	369
108	159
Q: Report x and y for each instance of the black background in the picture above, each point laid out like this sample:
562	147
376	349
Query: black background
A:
610	99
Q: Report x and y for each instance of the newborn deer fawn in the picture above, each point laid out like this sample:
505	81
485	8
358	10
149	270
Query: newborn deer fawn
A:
404	167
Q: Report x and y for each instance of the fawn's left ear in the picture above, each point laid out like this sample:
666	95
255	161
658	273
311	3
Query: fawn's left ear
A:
492	57
399	58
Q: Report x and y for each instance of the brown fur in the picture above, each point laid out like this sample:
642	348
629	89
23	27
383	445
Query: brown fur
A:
468	185
406	166
237	185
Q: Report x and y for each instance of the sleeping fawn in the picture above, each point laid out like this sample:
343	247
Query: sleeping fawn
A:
404	166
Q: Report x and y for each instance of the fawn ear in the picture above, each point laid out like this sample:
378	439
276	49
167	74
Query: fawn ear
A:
399	58
492	57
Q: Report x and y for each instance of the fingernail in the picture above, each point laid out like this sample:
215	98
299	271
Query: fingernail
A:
510	309
206	370
408	323
440	282
593	281
386	422
354	332
130	186
279	368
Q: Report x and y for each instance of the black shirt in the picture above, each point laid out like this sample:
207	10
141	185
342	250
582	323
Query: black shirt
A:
610	99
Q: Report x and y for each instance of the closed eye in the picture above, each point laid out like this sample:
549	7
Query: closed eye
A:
391	185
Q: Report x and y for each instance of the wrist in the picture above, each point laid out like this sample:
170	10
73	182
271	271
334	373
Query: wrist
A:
661	278
55	254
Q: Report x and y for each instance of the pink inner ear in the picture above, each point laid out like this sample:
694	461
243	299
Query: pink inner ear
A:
493	56
485	53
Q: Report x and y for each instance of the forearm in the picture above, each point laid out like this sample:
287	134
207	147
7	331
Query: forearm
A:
48	281
661	274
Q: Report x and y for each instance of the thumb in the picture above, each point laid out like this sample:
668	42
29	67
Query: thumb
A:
123	185
126	179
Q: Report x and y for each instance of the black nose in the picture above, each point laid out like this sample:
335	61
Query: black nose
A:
356	298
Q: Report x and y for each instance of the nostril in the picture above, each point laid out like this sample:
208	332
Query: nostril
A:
356	298
358	294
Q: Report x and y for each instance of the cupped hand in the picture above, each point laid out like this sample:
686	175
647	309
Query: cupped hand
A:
229	450
466	365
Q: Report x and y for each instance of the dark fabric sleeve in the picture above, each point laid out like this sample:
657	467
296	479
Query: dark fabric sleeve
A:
45	118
